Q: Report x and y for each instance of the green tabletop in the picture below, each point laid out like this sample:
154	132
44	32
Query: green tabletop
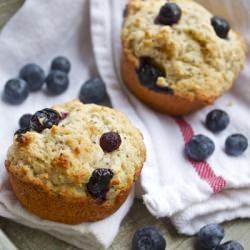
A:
25	238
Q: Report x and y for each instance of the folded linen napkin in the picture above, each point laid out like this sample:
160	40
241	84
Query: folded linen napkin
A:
40	31
193	193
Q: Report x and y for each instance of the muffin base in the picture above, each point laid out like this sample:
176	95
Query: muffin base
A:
55	207
159	101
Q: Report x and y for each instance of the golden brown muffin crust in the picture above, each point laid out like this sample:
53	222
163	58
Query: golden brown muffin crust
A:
54	166
199	66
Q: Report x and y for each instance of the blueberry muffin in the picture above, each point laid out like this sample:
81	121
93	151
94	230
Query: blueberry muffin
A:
177	56
75	163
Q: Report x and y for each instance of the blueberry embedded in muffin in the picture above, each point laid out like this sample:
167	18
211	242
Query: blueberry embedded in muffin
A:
221	26
110	141
86	157
187	50
151	76
24	121
43	119
170	13
98	184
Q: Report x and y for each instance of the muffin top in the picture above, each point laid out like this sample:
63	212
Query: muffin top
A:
78	151
182	48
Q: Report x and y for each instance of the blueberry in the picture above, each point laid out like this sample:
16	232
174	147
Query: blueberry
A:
148	238
125	11
43	119
98	184
15	91
221	26
217	120
57	82
61	63
110	141
210	236
170	13
64	115
93	91
21	131
199	148
148	74
236	144
24	121
33	75
230	245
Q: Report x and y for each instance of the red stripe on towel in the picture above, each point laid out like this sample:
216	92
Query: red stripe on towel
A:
203	169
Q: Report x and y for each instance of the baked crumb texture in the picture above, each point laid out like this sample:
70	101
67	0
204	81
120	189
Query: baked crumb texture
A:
49	171
199	66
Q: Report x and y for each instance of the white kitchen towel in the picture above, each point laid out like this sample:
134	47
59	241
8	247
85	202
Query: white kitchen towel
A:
172	183
41	30
224	206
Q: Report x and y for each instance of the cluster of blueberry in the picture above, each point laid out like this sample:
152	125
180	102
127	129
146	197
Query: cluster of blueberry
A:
200	147
32	78
210	237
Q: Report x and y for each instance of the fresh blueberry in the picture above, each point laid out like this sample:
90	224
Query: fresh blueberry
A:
98	184
110	141
57	82
148	74
210	236
24	121
43	119
33	75
170	13
61	63
199	148
221	26
236	144
148	238
125	11
15	91
93	91
230	245
217	120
